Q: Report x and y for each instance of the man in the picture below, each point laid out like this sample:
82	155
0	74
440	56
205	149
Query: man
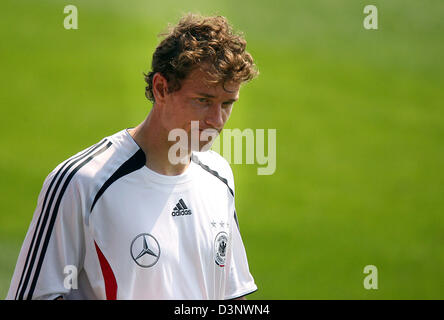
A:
123	219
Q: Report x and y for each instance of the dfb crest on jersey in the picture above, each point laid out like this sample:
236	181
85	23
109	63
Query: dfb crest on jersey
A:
145	250
220	246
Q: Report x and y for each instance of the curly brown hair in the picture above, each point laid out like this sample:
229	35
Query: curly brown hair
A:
195	41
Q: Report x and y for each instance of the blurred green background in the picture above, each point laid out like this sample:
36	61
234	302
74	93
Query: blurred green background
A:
358	113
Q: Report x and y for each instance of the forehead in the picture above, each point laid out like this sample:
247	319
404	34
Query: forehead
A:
199	81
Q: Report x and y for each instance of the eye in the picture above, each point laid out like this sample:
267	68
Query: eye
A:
203	100
227	104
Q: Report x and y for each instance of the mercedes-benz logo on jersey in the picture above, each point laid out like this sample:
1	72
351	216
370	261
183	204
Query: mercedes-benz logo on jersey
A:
220	246
145	250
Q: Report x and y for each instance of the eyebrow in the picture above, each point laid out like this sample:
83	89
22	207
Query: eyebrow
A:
206	95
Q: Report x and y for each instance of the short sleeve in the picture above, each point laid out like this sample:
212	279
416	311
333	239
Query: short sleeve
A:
240	281
51	254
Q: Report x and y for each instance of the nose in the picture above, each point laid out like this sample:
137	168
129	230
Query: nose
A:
215	117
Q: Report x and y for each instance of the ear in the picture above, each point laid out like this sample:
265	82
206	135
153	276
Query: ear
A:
160	88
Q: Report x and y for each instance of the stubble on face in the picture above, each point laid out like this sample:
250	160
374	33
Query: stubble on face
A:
200	99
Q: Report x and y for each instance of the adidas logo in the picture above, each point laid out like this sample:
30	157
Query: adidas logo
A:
180	209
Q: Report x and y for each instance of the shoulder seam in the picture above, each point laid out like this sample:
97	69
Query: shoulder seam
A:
135	162
196	160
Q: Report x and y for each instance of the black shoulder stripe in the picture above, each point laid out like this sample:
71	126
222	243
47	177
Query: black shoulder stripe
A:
213	172
51	215
216	174
25	266
54	215
134	163
235	219
32	249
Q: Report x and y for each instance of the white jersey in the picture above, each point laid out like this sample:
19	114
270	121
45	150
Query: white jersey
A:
108	227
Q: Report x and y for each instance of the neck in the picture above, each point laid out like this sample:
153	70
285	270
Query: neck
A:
152	138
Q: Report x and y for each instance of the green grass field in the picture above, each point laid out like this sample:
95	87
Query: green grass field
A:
359	119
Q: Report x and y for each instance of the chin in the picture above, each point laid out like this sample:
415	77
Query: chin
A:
202	148
205	147
207	139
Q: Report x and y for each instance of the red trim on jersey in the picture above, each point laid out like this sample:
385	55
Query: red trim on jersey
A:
108	276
